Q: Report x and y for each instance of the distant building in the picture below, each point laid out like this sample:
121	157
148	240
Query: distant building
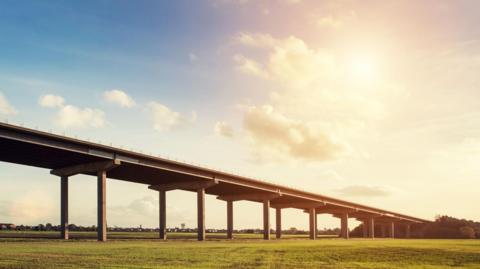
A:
7	226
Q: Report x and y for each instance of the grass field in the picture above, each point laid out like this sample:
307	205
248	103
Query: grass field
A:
17	252
137	235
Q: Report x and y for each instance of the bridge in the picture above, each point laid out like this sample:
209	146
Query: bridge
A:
66	157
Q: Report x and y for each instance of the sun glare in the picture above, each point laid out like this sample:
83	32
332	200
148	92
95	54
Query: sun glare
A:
363	70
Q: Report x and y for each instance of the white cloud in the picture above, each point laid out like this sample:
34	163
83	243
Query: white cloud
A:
273	134
289	60
51	101
5	107
365	191
164	118
223	129
118	97
74	117
69	116
316	108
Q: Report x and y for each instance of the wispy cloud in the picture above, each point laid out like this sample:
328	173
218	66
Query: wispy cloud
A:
258	40
222	128
5	107
246	2
192	57
292	2
336	21
164	119
249	66
142	210
365	191
33	206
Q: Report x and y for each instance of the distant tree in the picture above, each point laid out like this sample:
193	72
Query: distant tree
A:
467	232
357	231
72	227
442	227
449	227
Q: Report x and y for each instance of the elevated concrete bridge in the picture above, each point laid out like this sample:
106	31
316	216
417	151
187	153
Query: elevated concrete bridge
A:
66	157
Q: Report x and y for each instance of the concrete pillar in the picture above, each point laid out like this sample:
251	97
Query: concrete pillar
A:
407	230
313	223
371	228
266	219
383	231
201	214
101	206
64	207
344	226
162	198
278	229
229	219
365	228
392	230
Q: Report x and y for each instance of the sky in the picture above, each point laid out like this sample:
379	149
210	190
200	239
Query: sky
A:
376	102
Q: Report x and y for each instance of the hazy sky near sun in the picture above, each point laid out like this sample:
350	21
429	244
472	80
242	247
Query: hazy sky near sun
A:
376	102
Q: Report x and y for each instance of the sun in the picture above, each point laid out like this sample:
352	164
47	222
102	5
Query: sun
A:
363	69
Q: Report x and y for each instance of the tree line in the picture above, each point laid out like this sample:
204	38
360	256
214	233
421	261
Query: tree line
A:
443	227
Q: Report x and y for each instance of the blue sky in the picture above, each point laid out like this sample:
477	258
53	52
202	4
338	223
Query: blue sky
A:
375	103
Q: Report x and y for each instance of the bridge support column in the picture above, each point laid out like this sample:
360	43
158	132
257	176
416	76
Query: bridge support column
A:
201	214
101	206
278	228
100	168
383	232
392	230
313	223
407	231
344	226
64	207
197	185
371	228
266	219
365	228
229	219
162	198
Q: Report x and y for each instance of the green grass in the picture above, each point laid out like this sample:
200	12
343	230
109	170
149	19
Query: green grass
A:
240	253
137	235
